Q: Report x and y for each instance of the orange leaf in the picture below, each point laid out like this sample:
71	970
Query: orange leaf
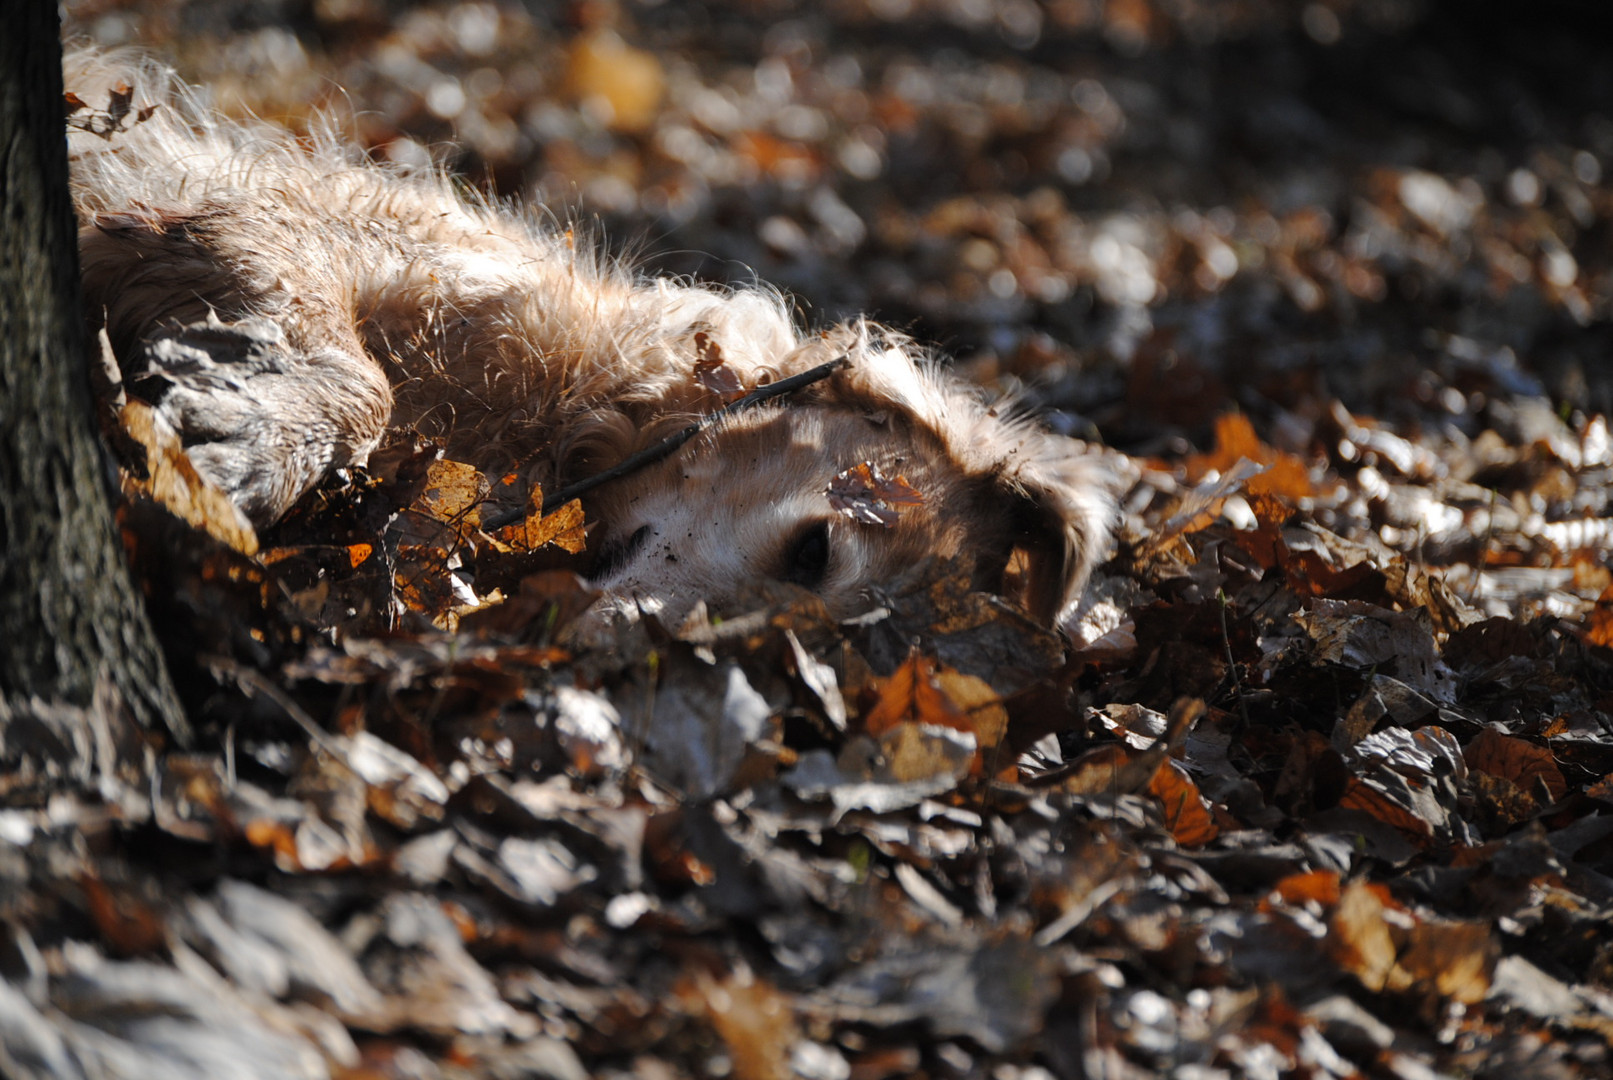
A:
1285	476
563	528
755	1020
1526	765
1599	627
1186	814
1321	886
1359	795
1454	958
628	83
174	482
454	492
127	924
925	692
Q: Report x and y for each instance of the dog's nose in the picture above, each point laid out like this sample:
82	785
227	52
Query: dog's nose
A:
614	555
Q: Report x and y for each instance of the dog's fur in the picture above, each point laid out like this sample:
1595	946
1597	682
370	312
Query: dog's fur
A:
289	304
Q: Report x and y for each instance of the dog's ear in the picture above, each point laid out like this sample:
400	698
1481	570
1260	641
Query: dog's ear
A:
1062	506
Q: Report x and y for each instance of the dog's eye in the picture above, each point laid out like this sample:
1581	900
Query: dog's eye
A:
808	557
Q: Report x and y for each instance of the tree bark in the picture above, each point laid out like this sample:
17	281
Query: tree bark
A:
69	614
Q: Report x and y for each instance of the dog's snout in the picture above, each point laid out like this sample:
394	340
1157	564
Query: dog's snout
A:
616	554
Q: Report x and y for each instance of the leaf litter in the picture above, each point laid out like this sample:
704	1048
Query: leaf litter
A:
1320	784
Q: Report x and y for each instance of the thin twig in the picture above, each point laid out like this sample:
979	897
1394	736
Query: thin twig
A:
666	447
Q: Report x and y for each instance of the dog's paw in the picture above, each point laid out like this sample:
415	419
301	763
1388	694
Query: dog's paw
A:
258	417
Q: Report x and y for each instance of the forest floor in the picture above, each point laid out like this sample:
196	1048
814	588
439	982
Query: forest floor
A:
1319	785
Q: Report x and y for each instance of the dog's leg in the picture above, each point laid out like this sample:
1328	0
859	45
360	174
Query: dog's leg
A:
251	358
259	417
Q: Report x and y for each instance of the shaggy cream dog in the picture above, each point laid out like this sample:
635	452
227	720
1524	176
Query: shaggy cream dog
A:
288	305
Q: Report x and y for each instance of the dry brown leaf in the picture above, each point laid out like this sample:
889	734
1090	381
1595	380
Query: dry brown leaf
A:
621	84
1285	476
1389	948
562	528
925	692
756	1022
454	492
711	371
1119	770
1358	938
1320	886
1187	815
424	583
544	604
1454	959
1602	790
127	924
913	752
1529	767
1599	625
174	482
864	494
773	155
1363	796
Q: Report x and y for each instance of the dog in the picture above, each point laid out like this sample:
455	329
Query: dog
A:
288	306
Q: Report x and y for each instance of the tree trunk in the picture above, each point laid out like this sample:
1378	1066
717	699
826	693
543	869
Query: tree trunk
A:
69	615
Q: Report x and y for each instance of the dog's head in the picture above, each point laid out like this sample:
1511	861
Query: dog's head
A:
806	491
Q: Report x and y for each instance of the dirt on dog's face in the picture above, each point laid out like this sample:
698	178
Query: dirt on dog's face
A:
749	504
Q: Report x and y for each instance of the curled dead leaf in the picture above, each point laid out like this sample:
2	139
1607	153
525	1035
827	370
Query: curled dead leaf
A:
1285	475
864	494
1530	768
711	371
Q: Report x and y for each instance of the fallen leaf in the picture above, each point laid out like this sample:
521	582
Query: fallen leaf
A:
1358	938
922	691
454	492
1317	886
1284	475
174	482
1453	958
711	371
754	1020
1599	624
623	83
1187	815
1117	769
864	494
1529	767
